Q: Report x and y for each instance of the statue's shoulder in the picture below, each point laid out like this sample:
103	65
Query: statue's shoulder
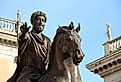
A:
47	38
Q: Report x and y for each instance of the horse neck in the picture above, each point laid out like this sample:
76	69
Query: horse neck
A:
59	61
67	67
58	56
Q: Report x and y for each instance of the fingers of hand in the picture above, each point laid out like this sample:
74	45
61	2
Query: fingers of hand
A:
24	28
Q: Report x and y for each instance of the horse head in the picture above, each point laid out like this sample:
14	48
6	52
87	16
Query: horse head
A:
68	42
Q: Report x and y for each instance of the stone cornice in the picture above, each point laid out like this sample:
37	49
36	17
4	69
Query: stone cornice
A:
6	31
8	39
107	64
110	69
7	42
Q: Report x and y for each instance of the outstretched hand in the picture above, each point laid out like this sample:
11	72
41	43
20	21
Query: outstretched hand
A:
24	29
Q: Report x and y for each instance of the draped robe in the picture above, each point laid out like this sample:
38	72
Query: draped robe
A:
33	57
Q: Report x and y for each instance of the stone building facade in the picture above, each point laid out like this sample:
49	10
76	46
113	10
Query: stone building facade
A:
109	66
8	48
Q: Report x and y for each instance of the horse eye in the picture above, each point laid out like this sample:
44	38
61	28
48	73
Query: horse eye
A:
74	45
68	39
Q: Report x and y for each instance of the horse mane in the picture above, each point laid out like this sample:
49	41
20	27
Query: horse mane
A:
53	46
58	32
54	43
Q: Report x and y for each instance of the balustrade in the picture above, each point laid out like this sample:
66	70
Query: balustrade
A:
115	43
7	25
112	45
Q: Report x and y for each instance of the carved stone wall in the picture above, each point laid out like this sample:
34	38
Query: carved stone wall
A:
114	77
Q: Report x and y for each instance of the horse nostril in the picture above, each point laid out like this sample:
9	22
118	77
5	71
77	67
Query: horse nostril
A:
78	56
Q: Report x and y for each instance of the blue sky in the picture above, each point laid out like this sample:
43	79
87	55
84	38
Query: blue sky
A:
92	14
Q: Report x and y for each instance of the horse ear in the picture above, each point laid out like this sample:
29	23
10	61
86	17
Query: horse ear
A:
58	30
78	28
71	26
59	26
61	29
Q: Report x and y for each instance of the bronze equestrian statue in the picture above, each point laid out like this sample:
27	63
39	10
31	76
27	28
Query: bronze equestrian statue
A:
40	61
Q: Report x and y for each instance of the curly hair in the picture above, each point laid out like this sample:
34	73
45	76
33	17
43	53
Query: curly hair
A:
37	13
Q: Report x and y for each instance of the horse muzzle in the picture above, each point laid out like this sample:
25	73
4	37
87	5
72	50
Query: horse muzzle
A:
77	56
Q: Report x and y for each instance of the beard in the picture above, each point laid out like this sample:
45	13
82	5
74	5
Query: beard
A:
39	29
